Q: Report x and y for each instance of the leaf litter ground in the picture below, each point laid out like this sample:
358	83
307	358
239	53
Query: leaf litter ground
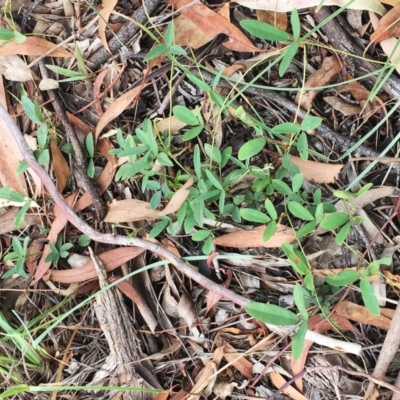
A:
246	154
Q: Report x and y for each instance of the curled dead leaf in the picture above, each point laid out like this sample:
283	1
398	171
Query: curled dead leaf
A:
32	46
254	238
137	210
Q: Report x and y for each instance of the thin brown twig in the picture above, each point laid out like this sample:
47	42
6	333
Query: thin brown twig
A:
81	164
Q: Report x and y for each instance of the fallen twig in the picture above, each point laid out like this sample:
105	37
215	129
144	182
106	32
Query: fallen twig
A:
81	164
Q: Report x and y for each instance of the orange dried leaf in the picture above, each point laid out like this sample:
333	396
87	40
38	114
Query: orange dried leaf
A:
111	260
213	24
389	26
136	210
32	46
187	33
104	15
360	314
254	238
277	19
117	108
10	158
61	167
329	69
7	221
278	380
244	366
317	172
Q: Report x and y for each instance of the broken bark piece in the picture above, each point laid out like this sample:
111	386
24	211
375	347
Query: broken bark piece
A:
124	346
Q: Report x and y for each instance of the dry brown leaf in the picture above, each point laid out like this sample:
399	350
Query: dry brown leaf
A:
389	26
339	105
187	33
358	91
117	108
7	221
32	46
135	210
357	313
10	158
170	124
389	46
244	366
278	380
213	24
111	259
79	124
14	69
56	227
204	380
104	14
254	238
34	251
172	348
317	172
330	67
61	167
277	19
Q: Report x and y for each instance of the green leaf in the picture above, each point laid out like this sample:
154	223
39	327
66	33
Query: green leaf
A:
369	298
169	34
298	341
296	258
192	133
158	228
342	194
42	135
196	160
298	298
155	200
164	160
201	235
309	282
270	208
373	269
31	109
80	62
342	234
262	30
299	211
286	159
344	278
288	58
306	229
213	179
43	157
198	82
19	37
269	231
251	148
252	215
281	187
271	314
295	22
64	71
90	168
177	50
297	181
213	153
309	123
364	189
6	193
319	212
90	144
208	246
6	34
185	115
157	51
334	220
285	128
84	240
20	215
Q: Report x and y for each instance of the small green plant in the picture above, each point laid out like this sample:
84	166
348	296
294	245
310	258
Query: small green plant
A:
90	150
18	257
58	250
